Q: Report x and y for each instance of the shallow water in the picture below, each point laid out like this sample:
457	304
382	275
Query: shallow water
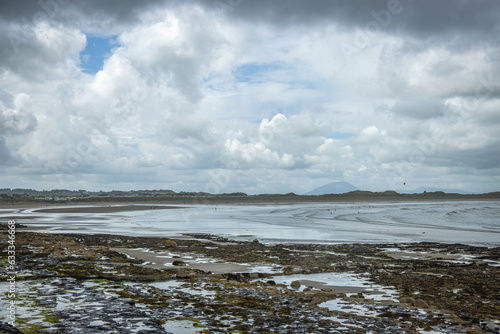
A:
181	327
349	283
181	286
468	222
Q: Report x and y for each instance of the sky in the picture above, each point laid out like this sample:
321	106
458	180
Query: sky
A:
249	95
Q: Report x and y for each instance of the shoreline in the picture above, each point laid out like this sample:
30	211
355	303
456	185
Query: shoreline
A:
352	197
117	206
330	224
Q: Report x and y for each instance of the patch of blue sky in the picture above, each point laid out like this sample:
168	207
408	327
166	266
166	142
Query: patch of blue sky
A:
273	72
340	135
255	72
97	50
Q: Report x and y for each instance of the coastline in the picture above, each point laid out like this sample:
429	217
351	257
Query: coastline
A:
312	222
351	197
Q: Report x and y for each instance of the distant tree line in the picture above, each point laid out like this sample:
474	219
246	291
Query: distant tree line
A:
31	193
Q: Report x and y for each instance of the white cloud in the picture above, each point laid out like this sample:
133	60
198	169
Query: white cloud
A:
189	91
257	155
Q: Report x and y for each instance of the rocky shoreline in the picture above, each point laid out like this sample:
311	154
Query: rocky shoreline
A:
78	283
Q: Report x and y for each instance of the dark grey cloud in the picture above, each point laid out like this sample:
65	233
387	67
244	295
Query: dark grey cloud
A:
462	18
6	99
488	115
487	157
425	19
445	67
19	20
64	10
6	157
462	24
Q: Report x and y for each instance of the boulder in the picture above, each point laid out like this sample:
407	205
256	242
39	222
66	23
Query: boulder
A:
407	300
421	303
319	298
170	244
185	273
179	263
295	284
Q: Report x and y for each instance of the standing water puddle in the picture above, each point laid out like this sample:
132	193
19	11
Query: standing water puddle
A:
181	286
348	283
182	327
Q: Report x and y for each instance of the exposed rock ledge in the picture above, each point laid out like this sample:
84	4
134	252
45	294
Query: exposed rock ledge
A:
81	282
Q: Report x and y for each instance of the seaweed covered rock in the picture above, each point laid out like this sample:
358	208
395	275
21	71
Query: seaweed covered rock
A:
295	285
170	244
6	328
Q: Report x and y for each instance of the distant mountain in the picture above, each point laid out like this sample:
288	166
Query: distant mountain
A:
332	188
432	189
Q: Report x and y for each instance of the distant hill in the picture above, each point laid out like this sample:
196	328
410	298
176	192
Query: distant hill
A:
332	188
420	190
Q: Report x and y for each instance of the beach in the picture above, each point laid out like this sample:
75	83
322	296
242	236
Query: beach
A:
187	281
467	222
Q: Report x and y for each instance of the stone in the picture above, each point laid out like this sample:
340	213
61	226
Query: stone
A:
179	263
318	299
232	276
170	244
295	284
421	303
58	253
290	270
184	273
407	300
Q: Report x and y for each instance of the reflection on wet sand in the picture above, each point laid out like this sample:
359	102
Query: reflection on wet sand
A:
472	223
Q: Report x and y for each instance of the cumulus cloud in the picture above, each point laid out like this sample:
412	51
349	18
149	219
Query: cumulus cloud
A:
273	96
257	154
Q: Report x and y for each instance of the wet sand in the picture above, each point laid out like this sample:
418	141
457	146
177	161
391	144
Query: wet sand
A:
474	223
105	208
